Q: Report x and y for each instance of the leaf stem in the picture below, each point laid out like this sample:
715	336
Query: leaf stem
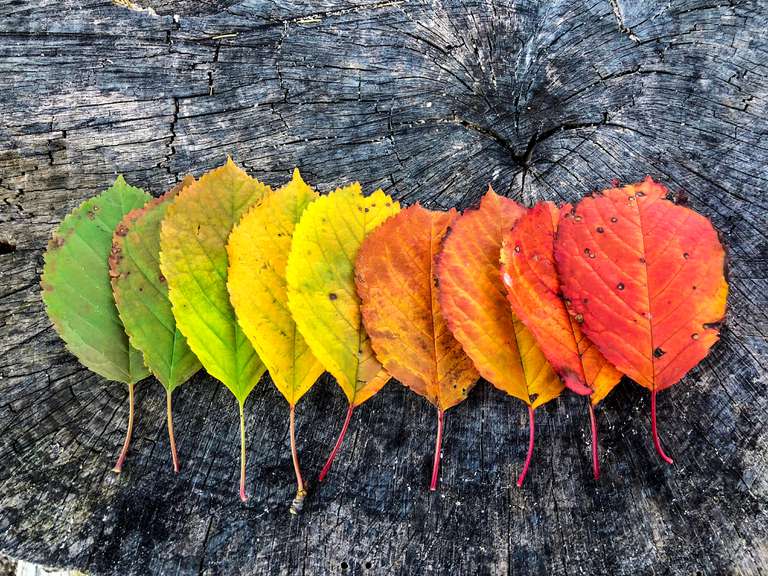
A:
243	496
298	501
655	432
531	437
328	463
593	425
438	445
124	452
171	437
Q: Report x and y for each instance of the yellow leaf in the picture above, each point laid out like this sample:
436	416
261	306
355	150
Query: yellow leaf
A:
322	295
321	286
258	251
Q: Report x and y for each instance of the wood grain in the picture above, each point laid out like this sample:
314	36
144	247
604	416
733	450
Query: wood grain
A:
432	102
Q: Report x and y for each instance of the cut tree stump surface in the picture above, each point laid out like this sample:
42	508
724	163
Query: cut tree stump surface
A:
430	101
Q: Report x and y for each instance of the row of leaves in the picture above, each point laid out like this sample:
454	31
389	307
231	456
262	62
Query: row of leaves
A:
225	273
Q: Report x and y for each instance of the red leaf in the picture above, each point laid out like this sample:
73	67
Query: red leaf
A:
647	277
533	291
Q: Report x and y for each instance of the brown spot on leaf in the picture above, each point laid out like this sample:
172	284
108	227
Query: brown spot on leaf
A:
332	296
658	352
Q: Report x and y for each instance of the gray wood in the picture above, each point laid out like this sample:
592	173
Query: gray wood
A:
432	101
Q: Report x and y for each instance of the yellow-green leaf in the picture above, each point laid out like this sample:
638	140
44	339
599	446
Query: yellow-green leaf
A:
193	259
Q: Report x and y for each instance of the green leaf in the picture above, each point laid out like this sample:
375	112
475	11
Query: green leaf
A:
141	293
76	289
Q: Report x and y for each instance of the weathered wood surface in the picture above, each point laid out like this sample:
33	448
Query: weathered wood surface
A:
432	102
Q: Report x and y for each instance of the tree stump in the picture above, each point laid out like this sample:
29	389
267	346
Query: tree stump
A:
432	102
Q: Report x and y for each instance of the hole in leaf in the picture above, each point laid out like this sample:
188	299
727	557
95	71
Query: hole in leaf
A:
614	219
600	229
620	286
332	296
658	352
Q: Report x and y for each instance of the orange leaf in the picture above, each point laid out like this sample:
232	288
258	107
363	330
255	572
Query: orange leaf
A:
647	277
395	274
473	301
533	290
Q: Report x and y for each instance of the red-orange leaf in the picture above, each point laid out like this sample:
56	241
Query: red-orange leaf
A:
395	275
473	301
647	278
533	290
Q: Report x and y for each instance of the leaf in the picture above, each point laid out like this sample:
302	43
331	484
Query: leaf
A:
647	277
258	251
141	295
397	284
321	290
472	298
76	288
78	295
533	290
193	259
